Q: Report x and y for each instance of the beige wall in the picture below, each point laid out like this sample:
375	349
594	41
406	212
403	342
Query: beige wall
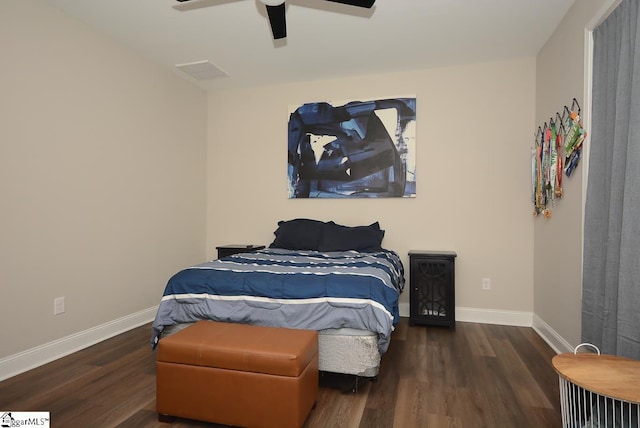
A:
102	177
474	127
560	77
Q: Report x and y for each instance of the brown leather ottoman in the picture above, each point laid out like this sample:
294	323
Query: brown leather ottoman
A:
237	374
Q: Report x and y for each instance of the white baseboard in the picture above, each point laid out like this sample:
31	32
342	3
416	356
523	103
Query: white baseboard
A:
557	342
40	355
484	316
404	310
514	318
494	316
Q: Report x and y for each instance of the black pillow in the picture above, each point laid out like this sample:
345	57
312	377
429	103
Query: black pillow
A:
344	238
298	234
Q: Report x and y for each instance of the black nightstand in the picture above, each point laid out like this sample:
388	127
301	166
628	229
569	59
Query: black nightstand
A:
432	282
229	250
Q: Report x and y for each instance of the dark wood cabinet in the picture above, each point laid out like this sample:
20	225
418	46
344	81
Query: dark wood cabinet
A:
432	293
231	249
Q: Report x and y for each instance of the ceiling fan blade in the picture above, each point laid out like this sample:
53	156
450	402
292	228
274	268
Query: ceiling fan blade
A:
186	5
360	3
277	20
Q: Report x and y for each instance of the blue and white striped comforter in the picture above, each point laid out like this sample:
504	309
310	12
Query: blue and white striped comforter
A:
284	288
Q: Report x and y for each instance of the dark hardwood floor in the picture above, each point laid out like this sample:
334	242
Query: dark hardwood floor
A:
479	375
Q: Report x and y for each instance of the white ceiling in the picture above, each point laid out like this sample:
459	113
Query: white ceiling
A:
325	40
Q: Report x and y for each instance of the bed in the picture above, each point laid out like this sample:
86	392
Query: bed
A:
337	280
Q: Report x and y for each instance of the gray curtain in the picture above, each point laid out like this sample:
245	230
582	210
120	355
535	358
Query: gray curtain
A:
611	274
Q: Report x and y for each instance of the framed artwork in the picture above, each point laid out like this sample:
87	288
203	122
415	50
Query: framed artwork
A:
357	149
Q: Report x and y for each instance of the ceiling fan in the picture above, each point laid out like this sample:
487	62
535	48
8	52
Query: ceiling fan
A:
276	13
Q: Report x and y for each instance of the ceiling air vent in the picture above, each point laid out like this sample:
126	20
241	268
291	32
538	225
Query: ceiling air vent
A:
201	70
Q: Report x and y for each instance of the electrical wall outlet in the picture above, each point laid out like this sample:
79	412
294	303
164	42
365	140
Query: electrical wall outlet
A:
58	306
486	283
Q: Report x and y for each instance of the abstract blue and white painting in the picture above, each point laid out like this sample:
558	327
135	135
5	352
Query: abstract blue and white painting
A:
357	149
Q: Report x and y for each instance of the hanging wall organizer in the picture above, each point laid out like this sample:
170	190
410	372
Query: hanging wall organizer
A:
557	151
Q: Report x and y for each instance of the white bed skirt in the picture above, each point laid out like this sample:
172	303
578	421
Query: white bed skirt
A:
349	351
